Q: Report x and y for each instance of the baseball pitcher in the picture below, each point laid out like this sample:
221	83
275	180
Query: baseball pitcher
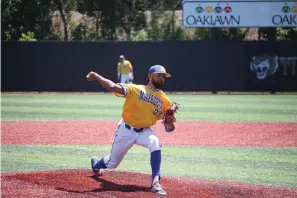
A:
144	105
125	70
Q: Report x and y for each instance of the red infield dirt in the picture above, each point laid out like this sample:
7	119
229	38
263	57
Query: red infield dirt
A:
82	183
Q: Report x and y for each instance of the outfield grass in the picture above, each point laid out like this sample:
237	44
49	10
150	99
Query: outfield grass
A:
270	166
251	108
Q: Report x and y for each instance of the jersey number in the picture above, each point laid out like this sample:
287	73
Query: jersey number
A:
157	112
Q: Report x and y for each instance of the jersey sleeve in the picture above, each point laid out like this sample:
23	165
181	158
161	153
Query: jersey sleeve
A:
128	89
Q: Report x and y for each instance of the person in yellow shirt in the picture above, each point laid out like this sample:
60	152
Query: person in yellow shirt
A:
144	105
125	70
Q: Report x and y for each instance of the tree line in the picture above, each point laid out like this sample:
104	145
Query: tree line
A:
132	20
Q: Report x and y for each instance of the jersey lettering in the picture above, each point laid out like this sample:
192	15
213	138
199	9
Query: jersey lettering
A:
149	98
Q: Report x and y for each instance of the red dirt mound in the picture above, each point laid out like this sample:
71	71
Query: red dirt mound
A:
82	183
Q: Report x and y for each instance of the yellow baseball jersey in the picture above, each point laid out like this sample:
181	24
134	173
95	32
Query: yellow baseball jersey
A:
125	68
144	105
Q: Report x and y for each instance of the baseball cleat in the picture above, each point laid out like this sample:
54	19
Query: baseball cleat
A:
157	188
97	171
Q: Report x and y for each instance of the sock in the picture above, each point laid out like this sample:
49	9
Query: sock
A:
100	164
156	164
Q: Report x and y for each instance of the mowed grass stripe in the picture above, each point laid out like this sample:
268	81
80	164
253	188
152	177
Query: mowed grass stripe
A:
111	100
239	163
238	99
187	107
220	97
255	99
64	105
60	96
239	109
254	176
59	116
275	154
289	111
18	114
270	166
237	117
189	99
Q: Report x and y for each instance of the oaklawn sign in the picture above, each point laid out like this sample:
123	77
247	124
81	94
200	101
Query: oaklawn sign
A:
239	14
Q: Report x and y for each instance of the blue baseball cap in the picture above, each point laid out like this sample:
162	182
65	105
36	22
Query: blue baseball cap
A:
158	69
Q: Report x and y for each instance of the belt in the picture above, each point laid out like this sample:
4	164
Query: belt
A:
134	129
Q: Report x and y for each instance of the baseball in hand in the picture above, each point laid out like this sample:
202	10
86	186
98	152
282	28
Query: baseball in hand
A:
91	76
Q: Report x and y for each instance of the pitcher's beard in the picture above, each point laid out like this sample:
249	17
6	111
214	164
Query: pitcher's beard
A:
158	85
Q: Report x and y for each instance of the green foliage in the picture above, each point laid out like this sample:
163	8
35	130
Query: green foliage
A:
22	16
55	36
230	34
111	20
163	27
83	32
140	35
204	33
155	27
67	9
6	35
268	33
131	16
113	17
173	32
79	33
27	37
197	34
287	33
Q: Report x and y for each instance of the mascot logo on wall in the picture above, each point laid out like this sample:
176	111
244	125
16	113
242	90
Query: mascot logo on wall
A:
264	66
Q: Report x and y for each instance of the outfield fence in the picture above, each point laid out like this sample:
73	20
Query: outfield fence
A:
196	66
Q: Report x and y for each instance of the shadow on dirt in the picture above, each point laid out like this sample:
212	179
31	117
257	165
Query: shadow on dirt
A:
109	186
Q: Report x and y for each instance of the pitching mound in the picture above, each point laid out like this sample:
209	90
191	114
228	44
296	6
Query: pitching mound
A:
82	183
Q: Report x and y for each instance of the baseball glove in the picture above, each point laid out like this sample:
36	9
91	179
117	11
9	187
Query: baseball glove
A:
169	117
